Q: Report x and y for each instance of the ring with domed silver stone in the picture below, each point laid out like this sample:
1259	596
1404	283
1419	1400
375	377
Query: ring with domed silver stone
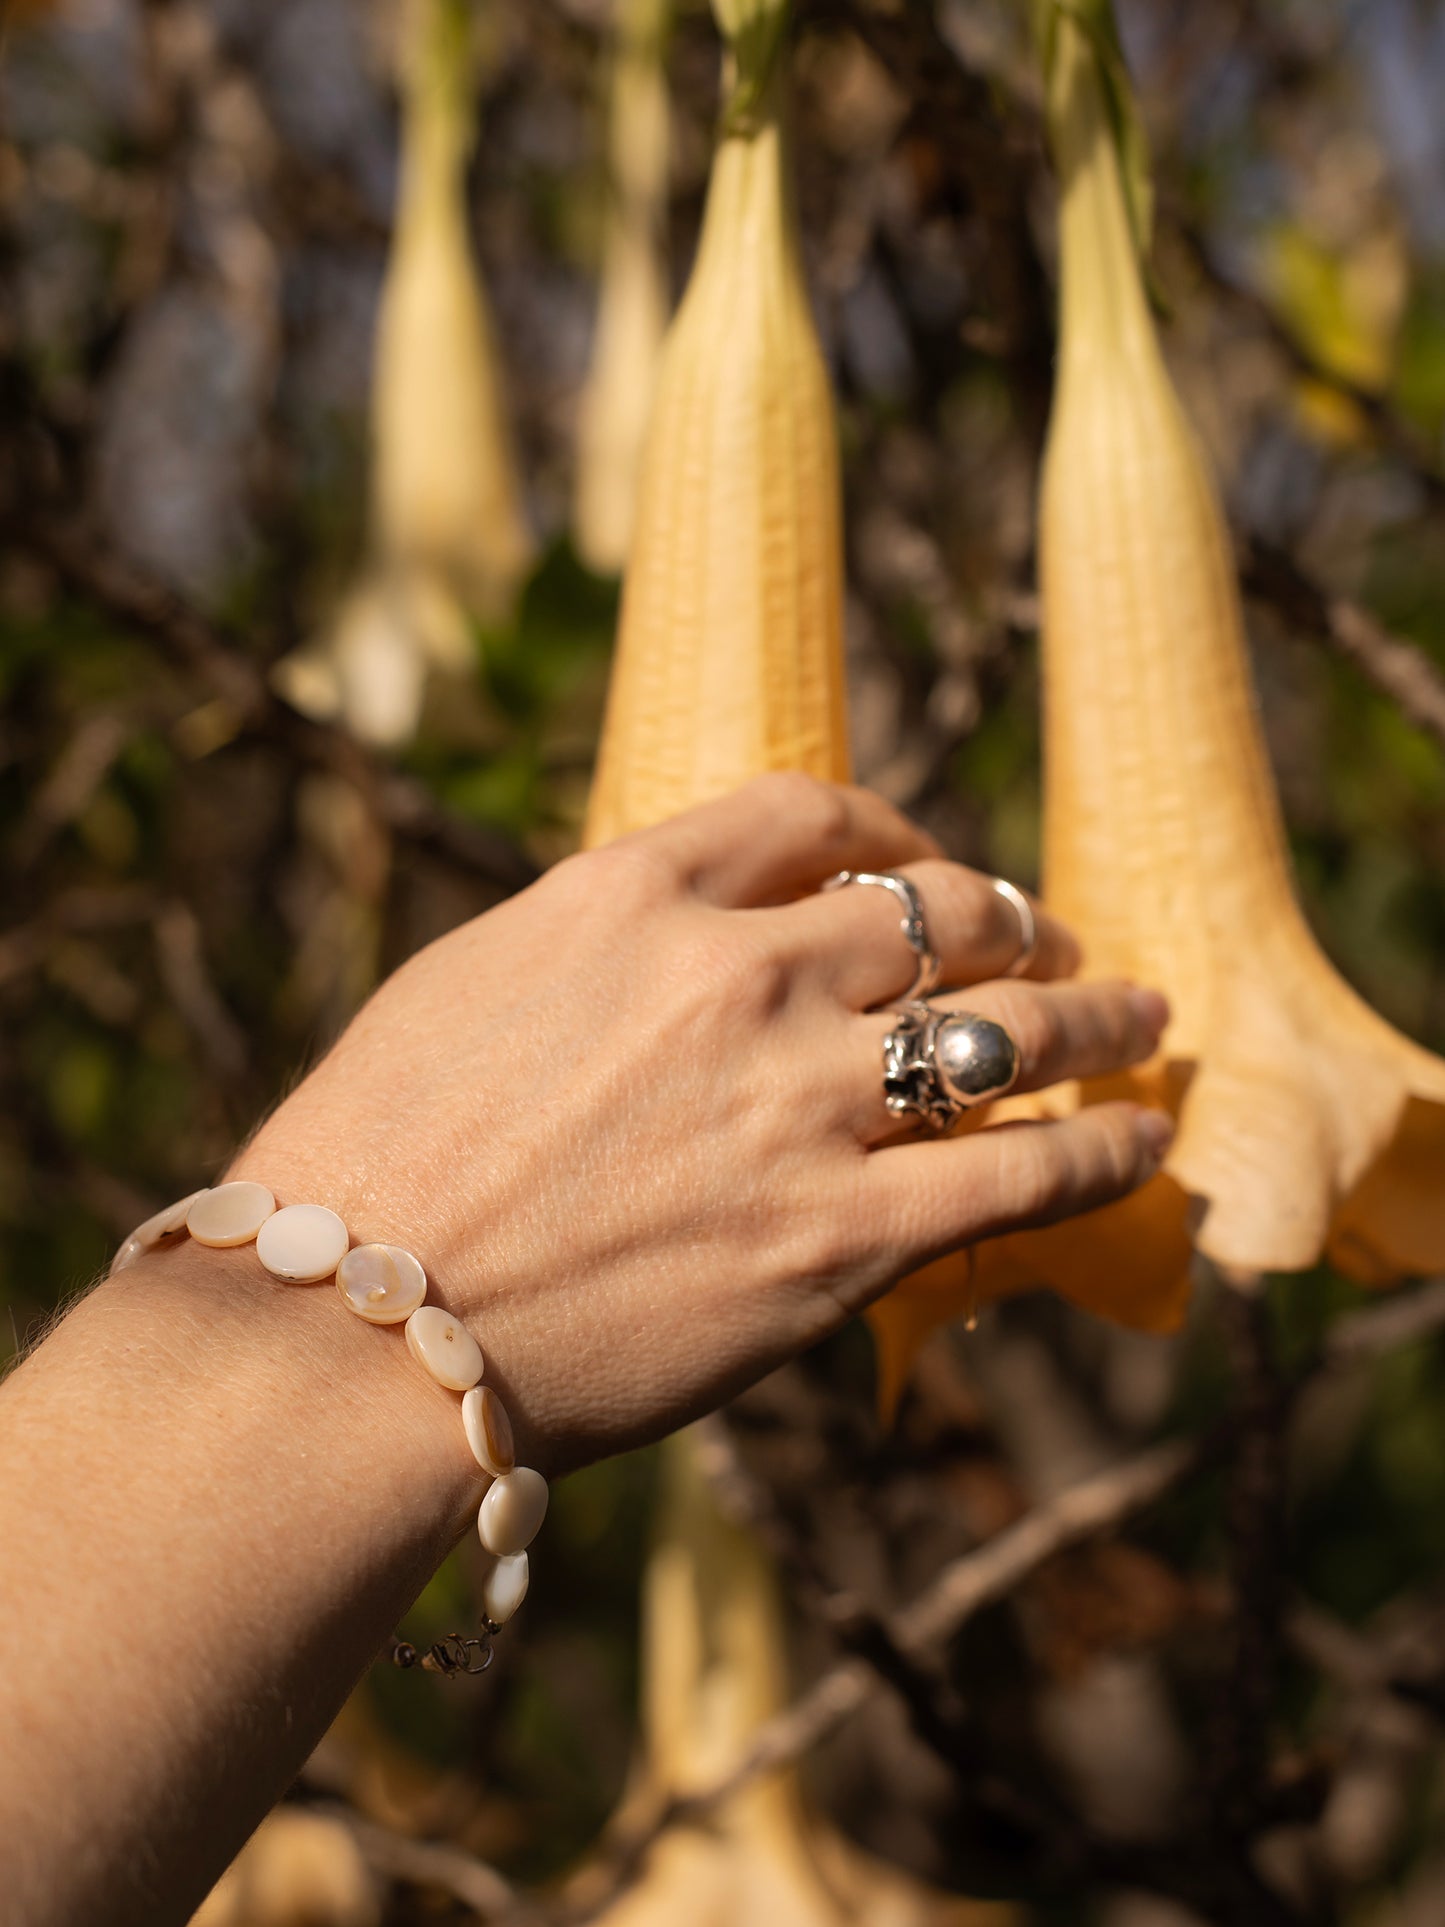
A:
937	1064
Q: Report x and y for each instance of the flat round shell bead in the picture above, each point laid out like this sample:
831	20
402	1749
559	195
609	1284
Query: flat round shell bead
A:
504	1587
447	1349
302	1243
381	1283
230	1214
162	1224
489	1432
512	1511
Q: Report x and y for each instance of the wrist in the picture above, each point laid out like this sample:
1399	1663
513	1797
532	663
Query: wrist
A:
485	1289
290	1355
383	1288
299	1162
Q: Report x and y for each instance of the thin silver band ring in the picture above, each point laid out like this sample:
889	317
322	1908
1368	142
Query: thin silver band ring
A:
1028	925
912	924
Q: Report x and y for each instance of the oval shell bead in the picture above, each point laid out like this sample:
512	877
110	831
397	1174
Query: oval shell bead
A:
162	1224
489	1432
230	1214
127	1254
513	1511
445	1347
381	1283
302	1243
504	1587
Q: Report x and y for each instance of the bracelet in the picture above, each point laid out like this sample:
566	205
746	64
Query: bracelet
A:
305	1244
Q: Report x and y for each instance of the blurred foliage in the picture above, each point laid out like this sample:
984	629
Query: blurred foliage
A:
194	202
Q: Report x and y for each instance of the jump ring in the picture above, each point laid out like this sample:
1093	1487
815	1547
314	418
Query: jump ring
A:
929	966
1028	924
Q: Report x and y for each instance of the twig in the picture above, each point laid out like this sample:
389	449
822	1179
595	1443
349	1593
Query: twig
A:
1410	1671
1256	1518
73	911
1389	428
180	951
1380	1328
1396	667
990	1573
961	1590
429	1863
405	805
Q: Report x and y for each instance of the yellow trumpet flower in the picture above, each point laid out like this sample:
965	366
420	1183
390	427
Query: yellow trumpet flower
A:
632	311
1300	1109
448	535
713	1673
730	663
1306	1124
729	652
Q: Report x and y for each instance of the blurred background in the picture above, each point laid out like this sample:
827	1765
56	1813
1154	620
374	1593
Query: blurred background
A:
201	882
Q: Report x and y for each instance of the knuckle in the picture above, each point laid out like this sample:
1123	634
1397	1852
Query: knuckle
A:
760	980
717	961
1047	1171
1095	1158
986	921
636	869
821	808
600	896
978	904
1063	943
1122	1155
1039	1173
1034	1021
956	900
825	1245
1111	1020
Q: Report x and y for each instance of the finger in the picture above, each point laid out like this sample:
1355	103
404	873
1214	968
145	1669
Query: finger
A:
856	935
1061	1031
779	836
950	1192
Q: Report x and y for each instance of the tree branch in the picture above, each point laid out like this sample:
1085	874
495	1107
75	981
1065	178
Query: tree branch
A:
1397	668
405	805
992	1571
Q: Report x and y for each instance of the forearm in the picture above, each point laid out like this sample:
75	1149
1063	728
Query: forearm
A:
250	1446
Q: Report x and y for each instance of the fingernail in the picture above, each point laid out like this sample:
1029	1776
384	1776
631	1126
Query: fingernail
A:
1156	1133
1151	1007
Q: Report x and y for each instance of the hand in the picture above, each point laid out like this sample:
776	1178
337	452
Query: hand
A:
632	1121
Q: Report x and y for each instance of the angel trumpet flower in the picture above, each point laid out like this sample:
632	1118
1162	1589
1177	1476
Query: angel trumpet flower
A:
730	663
1307	1126
713	1673
729	653
632	311
1305	1121
448	536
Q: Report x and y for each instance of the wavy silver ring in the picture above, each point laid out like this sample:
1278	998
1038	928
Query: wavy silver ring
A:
937	1064
915	930
1028	924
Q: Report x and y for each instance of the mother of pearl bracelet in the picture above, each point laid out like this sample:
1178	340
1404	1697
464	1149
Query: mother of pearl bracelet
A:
305	1244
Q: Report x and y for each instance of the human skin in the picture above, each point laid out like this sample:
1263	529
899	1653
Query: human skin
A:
632	1124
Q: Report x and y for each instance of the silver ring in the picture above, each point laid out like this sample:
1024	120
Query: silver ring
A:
1028	925
915	930
937	1064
